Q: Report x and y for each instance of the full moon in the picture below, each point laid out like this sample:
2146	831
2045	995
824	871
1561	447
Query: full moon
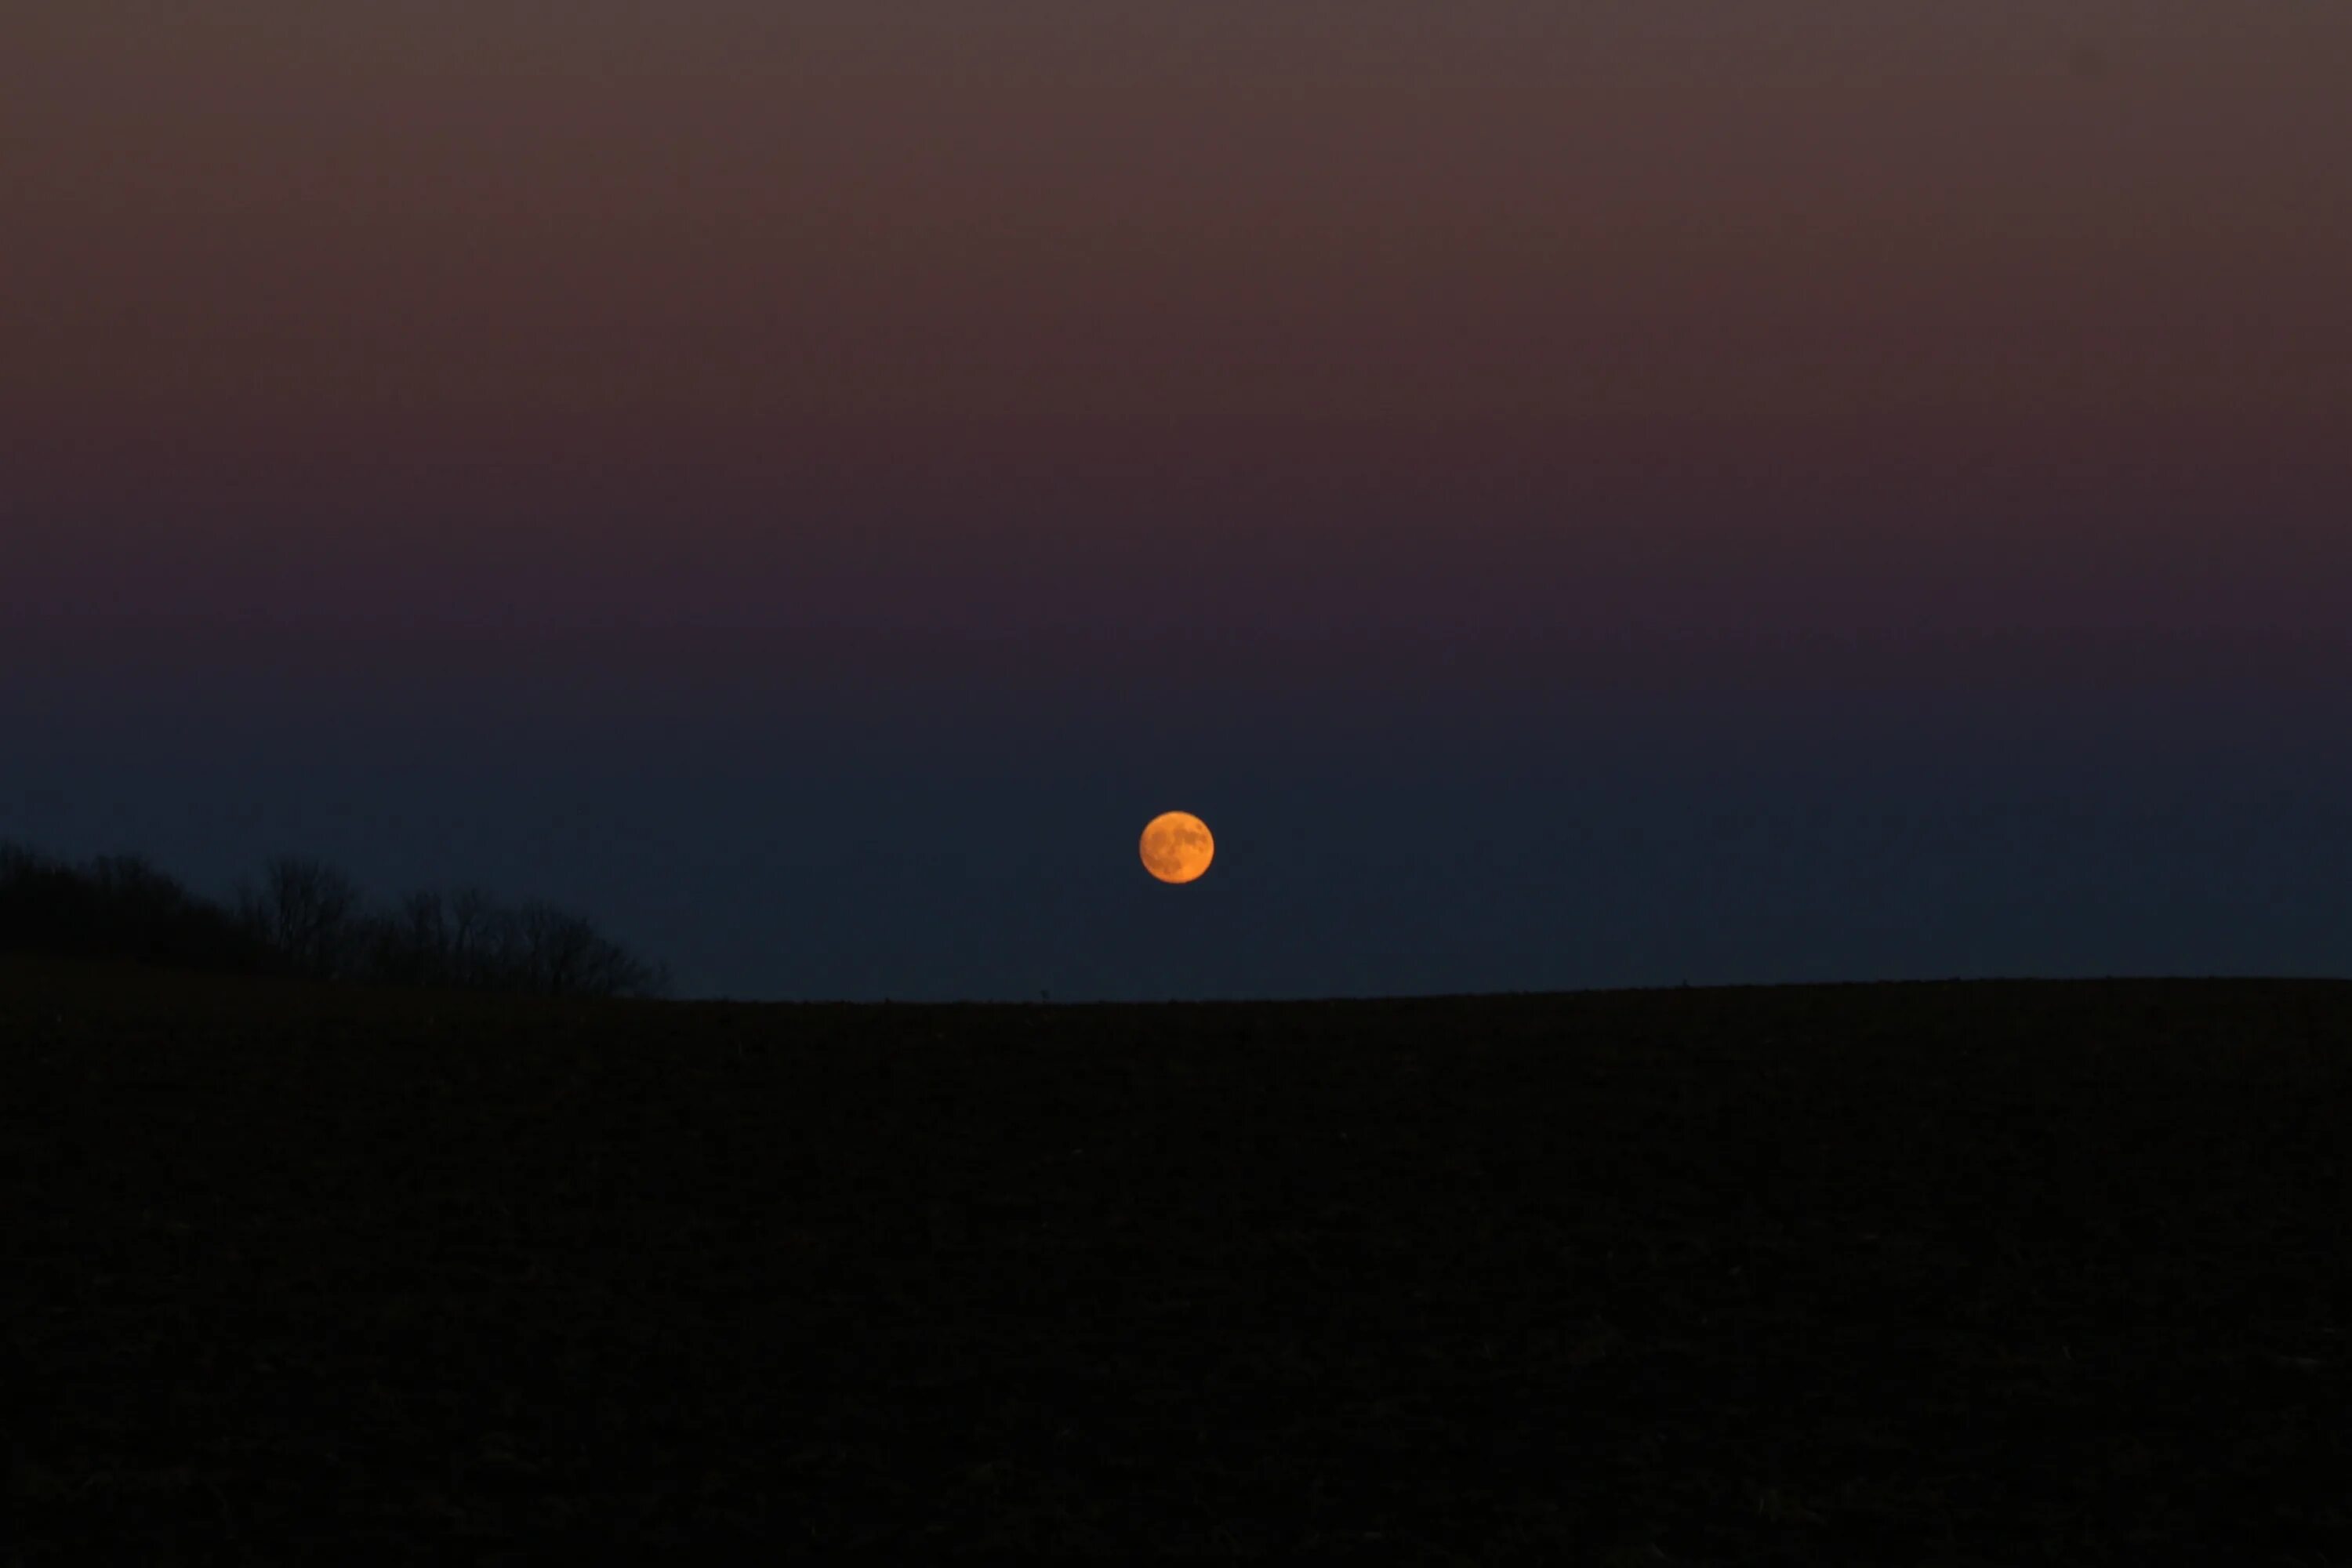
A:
1177	846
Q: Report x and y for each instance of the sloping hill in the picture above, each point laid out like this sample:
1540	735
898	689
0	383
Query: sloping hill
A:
1983	1272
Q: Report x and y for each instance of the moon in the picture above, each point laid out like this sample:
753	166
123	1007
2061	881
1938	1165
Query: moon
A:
1177	846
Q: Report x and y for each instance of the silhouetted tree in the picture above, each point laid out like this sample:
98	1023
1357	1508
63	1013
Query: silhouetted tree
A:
44	906
117	906
468	939
308	912
149	916
304	917
436	938
407	944
484	948
563	955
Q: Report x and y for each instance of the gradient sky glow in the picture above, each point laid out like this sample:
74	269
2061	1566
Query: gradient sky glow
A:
1574	495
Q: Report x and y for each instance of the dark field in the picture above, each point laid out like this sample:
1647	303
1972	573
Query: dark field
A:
1997	1273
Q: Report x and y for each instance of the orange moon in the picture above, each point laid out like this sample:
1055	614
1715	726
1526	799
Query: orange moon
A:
1177	846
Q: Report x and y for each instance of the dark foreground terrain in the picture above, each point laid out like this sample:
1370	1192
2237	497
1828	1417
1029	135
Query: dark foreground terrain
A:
1971	1273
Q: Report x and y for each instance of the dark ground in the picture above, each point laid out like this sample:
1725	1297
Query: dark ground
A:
1997	1273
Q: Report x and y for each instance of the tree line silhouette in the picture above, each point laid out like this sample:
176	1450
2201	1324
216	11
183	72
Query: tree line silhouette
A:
303	917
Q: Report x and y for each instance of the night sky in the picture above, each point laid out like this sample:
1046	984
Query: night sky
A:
1611	494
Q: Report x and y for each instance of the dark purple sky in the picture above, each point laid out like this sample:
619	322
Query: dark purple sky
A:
1574	495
